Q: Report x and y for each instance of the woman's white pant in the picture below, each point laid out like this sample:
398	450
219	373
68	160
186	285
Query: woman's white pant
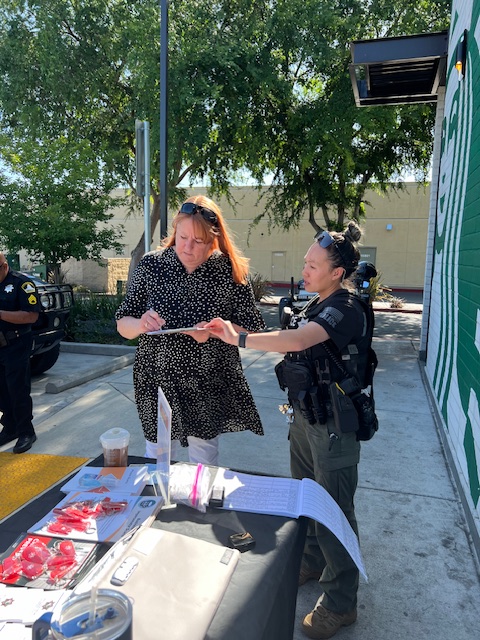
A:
204	451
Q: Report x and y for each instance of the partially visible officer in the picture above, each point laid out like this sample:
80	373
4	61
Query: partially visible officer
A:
19	308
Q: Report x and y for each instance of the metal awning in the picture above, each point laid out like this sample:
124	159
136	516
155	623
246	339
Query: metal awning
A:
401	70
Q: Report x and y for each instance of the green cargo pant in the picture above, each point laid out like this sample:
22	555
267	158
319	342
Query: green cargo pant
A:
336	471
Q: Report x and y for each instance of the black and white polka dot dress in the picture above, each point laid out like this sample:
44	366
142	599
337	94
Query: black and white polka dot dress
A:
203	382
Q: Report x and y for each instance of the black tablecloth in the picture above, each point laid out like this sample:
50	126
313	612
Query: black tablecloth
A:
259	603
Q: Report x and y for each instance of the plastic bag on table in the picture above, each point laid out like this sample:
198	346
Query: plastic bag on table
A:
190	485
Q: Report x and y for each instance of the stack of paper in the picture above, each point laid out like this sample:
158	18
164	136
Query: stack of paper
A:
130	480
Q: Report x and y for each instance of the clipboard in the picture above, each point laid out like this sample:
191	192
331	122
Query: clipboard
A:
163	332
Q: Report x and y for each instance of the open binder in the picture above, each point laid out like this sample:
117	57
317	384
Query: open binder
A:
176	587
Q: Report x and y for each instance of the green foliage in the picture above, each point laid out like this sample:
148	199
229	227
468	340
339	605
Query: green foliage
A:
396	302
258	86
260	285
55	204
93	319
324	151
377	290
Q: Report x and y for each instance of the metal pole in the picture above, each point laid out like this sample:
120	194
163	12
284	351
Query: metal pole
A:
146	196
163	116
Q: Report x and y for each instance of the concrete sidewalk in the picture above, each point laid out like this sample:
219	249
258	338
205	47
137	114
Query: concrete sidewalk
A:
423	573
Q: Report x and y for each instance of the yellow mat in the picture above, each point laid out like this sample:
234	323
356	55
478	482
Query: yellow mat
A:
25	476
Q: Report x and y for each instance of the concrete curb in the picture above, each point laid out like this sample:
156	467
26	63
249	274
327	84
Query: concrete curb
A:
121	357
96	349
407	308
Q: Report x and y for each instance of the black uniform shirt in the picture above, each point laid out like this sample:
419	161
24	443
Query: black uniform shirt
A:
17	293
342	317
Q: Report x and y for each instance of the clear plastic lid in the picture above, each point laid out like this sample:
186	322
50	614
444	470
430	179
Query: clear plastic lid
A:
115	438
108	618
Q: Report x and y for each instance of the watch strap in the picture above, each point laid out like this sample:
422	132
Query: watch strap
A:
242	337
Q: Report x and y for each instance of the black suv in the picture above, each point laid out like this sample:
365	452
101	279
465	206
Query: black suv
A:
49	329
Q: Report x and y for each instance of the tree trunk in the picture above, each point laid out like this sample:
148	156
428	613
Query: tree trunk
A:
326	216
311	212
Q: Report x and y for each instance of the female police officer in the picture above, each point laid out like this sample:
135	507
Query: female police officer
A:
318	450
19	307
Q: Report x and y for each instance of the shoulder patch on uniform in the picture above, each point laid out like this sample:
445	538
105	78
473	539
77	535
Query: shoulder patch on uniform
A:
331	315
32	299
28	287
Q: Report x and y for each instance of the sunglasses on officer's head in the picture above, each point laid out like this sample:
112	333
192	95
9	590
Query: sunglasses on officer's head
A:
324	239
191	208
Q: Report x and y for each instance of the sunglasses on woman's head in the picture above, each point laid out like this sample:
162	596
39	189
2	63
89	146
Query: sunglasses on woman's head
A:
191	208
324	239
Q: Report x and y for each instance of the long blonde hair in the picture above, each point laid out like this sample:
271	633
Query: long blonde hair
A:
217	235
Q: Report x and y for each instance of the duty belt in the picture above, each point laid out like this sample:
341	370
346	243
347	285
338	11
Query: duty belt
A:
7	337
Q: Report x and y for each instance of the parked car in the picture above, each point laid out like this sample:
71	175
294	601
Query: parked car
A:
49	329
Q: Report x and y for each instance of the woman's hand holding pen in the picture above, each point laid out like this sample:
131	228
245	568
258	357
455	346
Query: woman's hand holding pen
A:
151	321
223	329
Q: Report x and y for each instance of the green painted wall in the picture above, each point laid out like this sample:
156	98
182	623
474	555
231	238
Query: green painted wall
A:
453	354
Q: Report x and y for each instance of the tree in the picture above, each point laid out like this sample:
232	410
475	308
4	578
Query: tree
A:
55	213
261	86
88	70
325	151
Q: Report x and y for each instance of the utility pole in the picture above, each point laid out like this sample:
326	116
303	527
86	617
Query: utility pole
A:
142	170
163	117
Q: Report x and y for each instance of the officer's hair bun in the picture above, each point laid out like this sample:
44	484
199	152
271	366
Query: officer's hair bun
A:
353	232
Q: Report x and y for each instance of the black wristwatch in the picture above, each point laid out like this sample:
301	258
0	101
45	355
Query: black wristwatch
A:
242	336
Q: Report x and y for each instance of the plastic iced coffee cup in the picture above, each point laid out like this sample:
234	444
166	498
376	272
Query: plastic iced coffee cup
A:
115	447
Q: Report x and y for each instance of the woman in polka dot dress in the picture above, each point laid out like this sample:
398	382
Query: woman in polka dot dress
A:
198	275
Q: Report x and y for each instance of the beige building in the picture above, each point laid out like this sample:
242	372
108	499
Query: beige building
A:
395	235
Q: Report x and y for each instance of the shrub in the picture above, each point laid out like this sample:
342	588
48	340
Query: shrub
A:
92	319
261	287
396	303
381	293
377	290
